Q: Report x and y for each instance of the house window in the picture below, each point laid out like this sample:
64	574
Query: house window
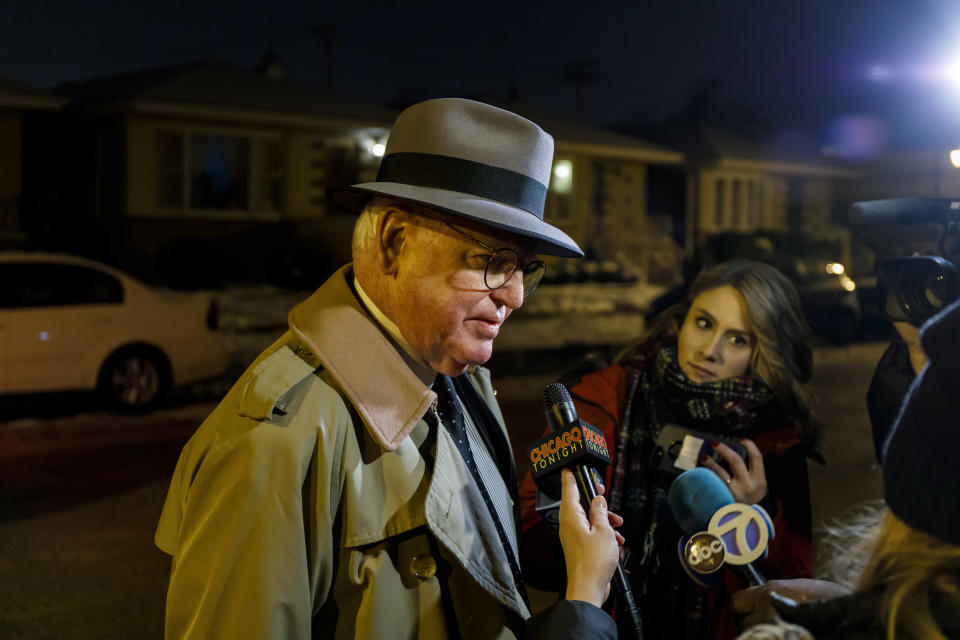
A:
736	219
755	197
743	209
270	179
559	204
170	169
219	172
203	171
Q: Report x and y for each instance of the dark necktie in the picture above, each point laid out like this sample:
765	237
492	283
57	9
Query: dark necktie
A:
451	415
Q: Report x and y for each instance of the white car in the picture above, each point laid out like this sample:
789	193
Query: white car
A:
67	323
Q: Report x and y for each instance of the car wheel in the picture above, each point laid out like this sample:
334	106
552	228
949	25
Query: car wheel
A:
134	379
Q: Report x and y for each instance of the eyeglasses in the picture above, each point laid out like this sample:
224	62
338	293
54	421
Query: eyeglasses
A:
502	263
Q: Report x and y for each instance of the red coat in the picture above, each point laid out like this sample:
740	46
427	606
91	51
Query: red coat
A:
601	399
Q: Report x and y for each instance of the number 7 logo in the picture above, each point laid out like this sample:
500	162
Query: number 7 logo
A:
744	529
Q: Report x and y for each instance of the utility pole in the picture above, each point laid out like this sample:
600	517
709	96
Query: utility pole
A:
580	73
327	32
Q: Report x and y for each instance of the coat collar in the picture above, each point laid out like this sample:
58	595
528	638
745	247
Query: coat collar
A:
369	368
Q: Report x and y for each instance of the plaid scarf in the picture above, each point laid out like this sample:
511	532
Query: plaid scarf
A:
659	393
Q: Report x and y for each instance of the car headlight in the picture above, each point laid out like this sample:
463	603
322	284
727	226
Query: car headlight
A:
836	269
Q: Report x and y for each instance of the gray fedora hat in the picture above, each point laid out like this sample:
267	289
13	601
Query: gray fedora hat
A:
472	160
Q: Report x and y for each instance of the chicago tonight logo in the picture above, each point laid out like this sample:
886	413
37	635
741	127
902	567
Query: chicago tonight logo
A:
580	442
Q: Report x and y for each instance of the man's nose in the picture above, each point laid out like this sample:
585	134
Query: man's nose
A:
511	293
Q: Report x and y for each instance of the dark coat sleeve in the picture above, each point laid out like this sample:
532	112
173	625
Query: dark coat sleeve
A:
891	380
571	620
790	553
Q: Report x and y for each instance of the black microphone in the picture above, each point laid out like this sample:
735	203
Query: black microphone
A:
575	444
572	444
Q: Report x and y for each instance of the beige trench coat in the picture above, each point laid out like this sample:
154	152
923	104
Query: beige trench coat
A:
303	502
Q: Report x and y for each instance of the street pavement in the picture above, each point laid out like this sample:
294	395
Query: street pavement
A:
80	497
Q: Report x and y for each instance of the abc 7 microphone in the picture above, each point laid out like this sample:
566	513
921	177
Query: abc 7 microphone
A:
578	446
717	530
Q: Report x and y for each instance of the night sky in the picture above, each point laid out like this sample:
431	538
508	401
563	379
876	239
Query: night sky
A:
780	65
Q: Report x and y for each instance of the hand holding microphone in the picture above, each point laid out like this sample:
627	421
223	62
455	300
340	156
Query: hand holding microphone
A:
574	445
591	546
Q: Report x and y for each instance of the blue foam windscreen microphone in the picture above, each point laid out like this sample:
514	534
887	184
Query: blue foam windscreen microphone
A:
695	496
695	499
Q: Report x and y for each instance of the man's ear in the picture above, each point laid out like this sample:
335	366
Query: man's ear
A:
392	230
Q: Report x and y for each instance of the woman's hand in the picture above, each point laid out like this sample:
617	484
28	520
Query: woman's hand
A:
591	547
748	485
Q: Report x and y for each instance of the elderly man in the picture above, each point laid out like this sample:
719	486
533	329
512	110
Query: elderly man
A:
357	482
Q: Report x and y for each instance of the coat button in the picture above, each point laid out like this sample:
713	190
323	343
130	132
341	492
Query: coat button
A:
424	567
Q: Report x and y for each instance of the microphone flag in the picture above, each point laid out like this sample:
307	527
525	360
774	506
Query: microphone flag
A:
745	530
576	443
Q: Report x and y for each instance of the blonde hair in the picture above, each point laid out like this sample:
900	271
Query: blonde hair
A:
871	549
783	357
847	542
911	568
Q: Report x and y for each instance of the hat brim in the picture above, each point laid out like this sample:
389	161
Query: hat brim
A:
550	240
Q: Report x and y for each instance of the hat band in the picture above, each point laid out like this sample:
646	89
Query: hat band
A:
466	176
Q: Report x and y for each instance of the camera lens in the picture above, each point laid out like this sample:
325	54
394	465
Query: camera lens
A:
915	295
924	290
936	290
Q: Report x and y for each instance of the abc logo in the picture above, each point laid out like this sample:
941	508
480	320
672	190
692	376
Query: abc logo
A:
704	552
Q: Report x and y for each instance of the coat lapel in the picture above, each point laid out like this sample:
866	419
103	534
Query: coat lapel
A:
366	365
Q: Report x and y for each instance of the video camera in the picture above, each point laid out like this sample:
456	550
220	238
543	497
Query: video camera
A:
912	288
